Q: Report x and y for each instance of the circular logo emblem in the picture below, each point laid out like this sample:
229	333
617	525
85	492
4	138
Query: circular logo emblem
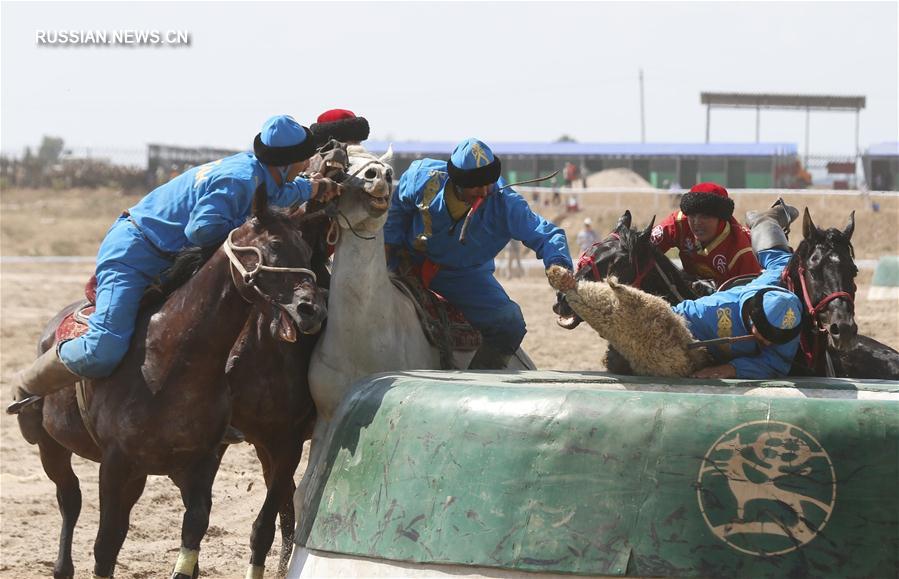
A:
720	263
766	488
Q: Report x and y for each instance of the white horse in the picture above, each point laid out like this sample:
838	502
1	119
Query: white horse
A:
372	326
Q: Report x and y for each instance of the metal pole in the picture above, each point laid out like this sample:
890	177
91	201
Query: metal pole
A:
808	115
758	113
642	113
857	152
708	121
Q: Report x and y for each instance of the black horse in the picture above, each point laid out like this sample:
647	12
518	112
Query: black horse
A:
821	273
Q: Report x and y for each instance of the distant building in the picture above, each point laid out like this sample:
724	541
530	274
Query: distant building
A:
881	163
735	165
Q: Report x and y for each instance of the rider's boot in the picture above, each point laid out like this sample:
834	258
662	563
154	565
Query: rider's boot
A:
45	376
768	228
488	357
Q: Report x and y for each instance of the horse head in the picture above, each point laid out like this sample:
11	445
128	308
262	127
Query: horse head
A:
823	267
625	253
367	187
270	263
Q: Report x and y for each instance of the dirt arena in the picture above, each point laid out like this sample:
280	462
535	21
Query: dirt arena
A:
73	222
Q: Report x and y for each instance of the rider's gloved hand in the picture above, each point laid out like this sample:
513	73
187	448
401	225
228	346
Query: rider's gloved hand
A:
703	287
324	189
561	278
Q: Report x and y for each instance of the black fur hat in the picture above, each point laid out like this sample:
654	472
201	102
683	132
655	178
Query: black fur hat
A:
708	199
342	125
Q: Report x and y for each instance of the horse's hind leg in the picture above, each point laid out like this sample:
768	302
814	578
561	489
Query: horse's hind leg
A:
278	469
120	487
57	462
195	485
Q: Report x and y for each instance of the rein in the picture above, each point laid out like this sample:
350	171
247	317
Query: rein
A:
811	308
249	277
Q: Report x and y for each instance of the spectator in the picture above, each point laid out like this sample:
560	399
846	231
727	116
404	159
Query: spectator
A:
586	237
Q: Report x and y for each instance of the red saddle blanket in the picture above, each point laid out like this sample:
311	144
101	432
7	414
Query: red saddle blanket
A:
441	321
75	324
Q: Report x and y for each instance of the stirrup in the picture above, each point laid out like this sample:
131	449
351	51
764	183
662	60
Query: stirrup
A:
20	405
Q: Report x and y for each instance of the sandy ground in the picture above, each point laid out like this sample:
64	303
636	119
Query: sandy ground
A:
30	294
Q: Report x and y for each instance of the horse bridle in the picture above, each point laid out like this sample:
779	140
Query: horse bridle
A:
811	351
586	260
249	277
334	232
811	308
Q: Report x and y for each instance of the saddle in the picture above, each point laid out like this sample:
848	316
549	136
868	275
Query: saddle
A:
444	325
75	324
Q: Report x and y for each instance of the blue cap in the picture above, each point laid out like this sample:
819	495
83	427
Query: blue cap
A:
781	309
776	313
473	164
283	141
282	131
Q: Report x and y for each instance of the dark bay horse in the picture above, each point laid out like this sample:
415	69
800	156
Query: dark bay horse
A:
272	405
165	408
821	273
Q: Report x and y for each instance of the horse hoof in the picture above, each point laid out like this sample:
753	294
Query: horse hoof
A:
195	574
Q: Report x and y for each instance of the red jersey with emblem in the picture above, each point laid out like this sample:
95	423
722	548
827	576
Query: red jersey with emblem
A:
728	255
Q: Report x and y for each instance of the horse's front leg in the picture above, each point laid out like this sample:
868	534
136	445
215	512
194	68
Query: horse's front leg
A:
57	462
279	467
195	484
120	487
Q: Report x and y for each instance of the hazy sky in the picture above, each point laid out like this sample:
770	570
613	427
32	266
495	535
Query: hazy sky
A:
444	71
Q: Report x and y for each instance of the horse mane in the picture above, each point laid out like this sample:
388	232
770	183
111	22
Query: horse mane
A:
187	263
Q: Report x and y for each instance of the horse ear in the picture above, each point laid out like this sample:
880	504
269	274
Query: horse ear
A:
850	227
809	230
387	157
260	201
648	230
625	220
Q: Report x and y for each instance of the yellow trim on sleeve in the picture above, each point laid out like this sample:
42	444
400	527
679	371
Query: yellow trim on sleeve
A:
733	261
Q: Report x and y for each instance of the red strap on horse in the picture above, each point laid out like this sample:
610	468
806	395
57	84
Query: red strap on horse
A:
428	270
641	274
589	261
813	347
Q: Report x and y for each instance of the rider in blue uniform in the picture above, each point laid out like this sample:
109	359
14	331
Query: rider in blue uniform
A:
763	308
427	209
197	208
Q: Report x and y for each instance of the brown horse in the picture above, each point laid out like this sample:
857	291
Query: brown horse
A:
165	408
272	404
